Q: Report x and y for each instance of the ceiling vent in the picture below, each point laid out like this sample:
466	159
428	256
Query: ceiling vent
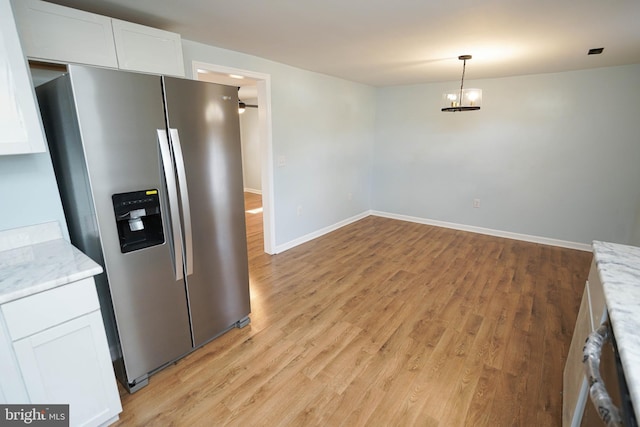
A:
595	51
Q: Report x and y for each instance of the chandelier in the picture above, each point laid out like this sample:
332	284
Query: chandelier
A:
463	99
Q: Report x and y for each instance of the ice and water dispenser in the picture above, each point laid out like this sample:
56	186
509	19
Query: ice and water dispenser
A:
138	219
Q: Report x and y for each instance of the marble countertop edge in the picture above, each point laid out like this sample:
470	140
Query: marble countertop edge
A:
619	270
42	266
45	286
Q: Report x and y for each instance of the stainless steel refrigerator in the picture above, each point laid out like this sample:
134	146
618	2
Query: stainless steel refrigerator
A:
150	174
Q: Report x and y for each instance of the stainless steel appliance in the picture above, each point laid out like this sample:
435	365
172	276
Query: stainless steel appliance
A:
149	171
610	403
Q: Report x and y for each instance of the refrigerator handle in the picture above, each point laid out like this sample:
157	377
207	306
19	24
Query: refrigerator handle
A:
172	190
184	198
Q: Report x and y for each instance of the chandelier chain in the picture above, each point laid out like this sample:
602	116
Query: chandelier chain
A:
464	65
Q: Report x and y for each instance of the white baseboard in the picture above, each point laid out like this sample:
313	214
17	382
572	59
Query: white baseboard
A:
487	231
251	190
472	229
307	237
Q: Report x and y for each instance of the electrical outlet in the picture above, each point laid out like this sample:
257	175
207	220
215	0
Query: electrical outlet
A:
282	161
299	210
476	203
349	196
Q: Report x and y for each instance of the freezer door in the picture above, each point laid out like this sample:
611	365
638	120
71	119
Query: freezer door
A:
119	114
203	119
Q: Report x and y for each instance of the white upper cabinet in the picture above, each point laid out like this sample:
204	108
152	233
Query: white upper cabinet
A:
54	33
57	33
147	49
19	115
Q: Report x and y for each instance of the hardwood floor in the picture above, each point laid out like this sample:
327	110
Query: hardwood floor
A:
384	323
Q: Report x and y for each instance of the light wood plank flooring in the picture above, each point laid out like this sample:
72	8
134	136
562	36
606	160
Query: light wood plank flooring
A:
384	323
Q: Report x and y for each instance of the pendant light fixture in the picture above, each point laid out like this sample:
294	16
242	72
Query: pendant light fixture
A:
463	99
242	106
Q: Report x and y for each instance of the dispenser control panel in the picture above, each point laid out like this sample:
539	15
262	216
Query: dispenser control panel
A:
138	219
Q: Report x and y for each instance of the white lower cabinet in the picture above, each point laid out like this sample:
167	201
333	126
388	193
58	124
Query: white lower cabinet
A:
60	350
11	384
574	381
68	364
590	316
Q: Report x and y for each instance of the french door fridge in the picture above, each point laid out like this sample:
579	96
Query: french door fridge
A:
149	171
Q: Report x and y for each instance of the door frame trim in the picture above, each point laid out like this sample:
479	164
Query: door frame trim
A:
263	83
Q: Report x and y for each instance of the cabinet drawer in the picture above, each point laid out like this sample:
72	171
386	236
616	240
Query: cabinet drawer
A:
35	313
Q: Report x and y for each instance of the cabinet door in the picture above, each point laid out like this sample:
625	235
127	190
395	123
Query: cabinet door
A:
61	34
19	116
70	364
596	297
11	386
148	50
574	381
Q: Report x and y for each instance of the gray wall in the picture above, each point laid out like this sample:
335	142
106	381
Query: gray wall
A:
324	128
551	155
28	192
251	160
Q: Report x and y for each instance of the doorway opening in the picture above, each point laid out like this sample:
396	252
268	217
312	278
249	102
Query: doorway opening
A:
253	87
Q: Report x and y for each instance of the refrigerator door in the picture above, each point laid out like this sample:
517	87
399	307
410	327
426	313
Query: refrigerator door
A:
119	115
205	118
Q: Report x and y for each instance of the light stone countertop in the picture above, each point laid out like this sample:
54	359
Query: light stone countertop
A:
38	267
619	269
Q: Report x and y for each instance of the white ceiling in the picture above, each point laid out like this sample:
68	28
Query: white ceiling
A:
393	42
